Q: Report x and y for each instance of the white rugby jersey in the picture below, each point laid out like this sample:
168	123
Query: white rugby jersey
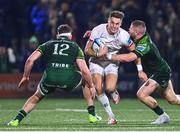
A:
114	42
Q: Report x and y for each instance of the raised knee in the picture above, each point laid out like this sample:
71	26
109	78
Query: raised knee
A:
140	95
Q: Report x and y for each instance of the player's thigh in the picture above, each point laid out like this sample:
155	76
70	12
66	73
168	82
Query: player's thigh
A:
147	88
96	69
44	90
169	93
97	73
111	73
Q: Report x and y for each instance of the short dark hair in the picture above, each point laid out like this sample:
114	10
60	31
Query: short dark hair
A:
138	23
116	14
64	28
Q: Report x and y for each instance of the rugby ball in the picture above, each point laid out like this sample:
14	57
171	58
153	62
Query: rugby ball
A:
97	43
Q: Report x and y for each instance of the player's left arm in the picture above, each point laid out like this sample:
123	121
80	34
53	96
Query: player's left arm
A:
122	57
30	62
138	60
141	74
28	66
130	45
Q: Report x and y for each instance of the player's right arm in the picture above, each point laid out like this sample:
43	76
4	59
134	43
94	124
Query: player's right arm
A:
95	33
86	75
88	49
28	66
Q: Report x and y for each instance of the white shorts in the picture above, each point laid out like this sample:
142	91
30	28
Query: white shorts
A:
109	69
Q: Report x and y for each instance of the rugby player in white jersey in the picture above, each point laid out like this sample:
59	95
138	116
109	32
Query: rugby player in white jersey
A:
114	37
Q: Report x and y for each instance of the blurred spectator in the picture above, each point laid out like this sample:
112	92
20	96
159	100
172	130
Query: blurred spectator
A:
65	16
132	11
176	28
52	22
160	36
176	66
3	54
7	56
39	16
53	4
21	19
82	14
99	14
32	45
155	12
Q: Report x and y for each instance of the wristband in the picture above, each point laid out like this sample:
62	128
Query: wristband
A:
139	67
109	56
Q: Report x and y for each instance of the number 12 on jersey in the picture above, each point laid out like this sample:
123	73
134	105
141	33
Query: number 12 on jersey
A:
62	47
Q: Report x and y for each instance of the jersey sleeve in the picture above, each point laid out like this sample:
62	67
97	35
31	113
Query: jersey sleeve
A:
126	39
80	54
95	33
41	48
142	49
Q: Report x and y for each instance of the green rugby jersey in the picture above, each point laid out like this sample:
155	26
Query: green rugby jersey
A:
151	59
60	55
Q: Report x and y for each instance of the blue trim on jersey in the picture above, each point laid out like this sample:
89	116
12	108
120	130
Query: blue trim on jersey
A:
130	42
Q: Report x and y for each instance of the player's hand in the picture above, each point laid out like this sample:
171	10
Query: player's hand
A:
109	56
24	82
93	92
87	34
142	75
102	50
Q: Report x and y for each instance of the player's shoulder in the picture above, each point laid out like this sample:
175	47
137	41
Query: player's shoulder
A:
123	32
100	27
46	43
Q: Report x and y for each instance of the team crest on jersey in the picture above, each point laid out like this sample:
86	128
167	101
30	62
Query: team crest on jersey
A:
140	48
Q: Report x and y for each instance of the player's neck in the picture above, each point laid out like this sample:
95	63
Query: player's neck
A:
109	32
138	37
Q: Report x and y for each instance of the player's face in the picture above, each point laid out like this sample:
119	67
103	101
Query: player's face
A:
132	31
114	25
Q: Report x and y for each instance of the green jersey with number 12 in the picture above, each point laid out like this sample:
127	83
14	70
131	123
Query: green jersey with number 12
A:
60	55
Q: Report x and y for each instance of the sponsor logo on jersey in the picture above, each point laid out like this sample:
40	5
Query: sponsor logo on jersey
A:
140	48
60	65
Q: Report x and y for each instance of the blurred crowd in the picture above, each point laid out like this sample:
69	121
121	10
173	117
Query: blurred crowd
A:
24	24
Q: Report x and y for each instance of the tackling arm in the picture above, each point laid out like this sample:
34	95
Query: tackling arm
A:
142	75
138	60
123	57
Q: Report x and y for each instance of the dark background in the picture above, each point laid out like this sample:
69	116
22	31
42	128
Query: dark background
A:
24	24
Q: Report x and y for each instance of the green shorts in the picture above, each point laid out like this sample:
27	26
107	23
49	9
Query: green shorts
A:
66	82
162	78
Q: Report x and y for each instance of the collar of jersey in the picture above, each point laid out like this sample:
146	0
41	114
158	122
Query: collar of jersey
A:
63	37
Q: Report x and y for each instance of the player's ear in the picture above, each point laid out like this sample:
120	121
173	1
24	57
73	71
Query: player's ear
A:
109	19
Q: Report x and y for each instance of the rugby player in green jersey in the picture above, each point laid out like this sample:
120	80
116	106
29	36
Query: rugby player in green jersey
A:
65	69
156	68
